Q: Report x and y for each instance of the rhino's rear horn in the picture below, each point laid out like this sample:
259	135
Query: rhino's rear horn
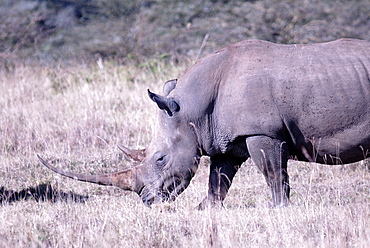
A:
125	180
136	155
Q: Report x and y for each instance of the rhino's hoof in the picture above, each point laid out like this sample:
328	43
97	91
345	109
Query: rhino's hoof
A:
206	203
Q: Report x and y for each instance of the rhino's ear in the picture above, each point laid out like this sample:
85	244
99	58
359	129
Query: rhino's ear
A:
164	103
169	86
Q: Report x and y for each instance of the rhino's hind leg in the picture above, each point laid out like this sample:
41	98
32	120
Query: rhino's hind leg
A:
222	171
271	157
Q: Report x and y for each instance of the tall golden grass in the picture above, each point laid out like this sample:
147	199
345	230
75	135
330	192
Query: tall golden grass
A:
75	117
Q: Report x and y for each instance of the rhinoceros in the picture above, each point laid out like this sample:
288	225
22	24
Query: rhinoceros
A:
259	100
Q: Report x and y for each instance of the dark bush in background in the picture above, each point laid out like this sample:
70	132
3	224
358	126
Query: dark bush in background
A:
129	30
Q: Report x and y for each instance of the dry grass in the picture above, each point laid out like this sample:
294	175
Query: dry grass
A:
75	116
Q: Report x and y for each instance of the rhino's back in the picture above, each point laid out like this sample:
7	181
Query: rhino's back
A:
320	92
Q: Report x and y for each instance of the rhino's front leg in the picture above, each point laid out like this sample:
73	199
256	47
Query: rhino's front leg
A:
222	171
271	157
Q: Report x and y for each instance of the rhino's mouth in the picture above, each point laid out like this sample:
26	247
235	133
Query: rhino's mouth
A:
169	190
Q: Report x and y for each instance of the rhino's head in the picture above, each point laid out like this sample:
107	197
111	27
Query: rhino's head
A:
172	157
167	165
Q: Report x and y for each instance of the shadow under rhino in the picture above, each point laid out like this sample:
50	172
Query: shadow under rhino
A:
39	193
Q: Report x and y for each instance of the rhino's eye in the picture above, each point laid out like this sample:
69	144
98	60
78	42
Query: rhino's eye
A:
160	159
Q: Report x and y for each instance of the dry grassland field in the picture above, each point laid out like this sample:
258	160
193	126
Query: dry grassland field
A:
75	116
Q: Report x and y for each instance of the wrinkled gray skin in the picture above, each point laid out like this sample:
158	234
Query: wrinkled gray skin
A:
260	100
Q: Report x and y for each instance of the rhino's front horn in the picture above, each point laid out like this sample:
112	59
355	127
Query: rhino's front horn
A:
126	180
